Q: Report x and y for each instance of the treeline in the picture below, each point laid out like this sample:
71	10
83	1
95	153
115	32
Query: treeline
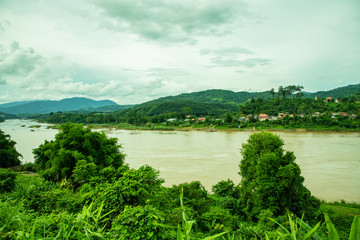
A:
297	105
305	113
86	191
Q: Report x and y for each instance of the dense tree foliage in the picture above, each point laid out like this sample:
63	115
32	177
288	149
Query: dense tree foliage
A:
305	113
8	154
298	106
76	147
270	178
7	180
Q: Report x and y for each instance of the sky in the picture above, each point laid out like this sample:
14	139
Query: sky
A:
137	50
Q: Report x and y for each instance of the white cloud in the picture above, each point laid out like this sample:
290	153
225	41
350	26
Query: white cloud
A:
172	21
134	51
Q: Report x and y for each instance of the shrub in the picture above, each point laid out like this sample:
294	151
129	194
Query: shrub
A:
8	154
7	180
271	179
139	222
76	147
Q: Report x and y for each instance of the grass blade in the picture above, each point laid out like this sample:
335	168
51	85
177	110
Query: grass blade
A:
355	229
311	232
333	235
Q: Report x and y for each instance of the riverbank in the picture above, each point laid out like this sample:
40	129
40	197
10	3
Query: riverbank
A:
164	127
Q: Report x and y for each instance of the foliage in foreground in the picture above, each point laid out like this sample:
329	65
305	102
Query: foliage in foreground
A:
77	153
270	178
8	154
72	217
117	202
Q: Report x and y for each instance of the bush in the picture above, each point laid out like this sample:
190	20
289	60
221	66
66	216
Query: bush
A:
271	179
140	222
7	180
29	167
135	187
8	154
76	147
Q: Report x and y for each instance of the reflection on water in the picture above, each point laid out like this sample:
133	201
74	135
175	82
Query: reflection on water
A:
330	162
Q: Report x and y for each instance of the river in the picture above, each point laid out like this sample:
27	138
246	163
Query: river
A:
330	162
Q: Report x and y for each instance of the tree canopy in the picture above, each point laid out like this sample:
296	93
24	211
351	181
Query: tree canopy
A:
8	154
77	147
271	179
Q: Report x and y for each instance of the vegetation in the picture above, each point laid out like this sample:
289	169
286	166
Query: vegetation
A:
8	154
271	180
77	153
7	180
97	196
305	106
287	108
295	113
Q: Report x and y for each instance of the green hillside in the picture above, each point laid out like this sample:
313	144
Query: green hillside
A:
180	106
215	96
218	102
337	92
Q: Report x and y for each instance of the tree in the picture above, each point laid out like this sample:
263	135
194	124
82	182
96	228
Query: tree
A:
272	92
8	154
281	91
271	179
77	147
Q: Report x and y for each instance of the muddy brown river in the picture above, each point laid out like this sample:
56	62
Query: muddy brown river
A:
330	162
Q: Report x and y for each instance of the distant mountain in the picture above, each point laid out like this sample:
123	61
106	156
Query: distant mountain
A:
13	104
104	109
40	107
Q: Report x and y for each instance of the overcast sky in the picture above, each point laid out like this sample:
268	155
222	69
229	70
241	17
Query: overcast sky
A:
136	50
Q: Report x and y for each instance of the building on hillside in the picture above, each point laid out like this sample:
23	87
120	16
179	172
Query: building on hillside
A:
172	120
281	115
243	119
334	115
201	119
328	99
263	117
353	116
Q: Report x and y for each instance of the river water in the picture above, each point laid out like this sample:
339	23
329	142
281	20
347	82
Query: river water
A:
330	162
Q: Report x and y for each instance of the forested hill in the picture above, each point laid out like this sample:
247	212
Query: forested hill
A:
209	102
181	107
68	104
217	101
337	92
219	96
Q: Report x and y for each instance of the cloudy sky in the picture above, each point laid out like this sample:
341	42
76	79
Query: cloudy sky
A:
132	51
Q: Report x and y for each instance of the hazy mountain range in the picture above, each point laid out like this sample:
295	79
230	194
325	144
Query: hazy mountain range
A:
68	104
215	99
